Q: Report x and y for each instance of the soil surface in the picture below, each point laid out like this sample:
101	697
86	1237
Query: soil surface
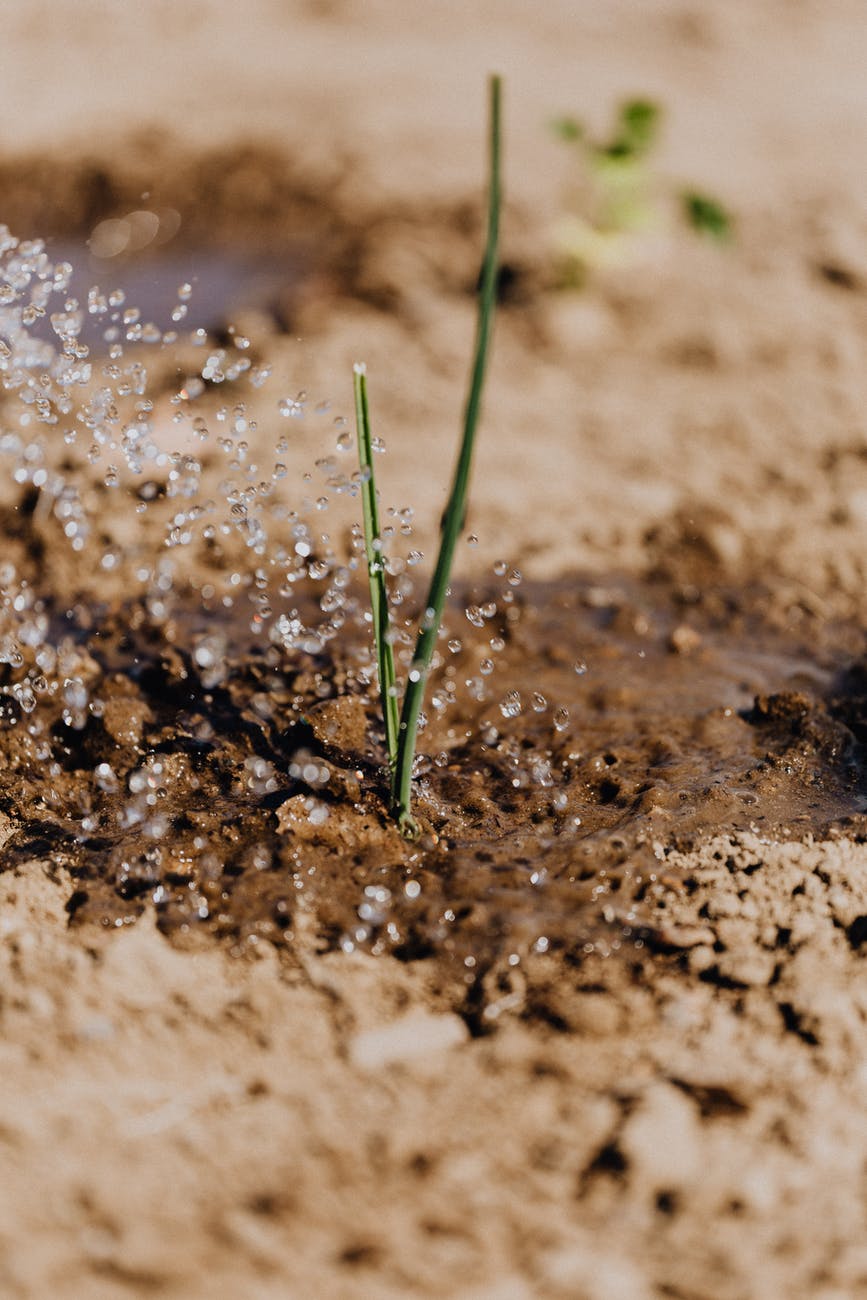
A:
601	1031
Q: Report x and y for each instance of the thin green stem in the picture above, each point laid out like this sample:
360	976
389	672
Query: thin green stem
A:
376	567
453	518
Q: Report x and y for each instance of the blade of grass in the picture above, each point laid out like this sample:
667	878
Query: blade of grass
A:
376	566
453	519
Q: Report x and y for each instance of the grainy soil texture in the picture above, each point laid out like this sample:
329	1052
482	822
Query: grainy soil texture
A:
600	1033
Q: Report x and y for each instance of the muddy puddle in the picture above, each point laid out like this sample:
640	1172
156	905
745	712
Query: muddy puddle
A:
578	731
187	718
159	292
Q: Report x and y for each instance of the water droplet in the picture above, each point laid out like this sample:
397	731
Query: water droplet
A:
511	705
105	778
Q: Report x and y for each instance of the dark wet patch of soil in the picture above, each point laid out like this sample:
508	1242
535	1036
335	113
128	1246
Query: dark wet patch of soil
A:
249	226
620	720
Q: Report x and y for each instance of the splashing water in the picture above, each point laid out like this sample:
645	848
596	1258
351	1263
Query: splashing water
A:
149	456
183	644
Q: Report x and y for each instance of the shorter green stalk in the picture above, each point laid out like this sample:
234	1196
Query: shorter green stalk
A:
376	568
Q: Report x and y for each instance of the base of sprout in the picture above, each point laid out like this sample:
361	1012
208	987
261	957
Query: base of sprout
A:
407	825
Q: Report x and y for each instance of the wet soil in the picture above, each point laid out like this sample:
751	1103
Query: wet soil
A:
245	802
246	225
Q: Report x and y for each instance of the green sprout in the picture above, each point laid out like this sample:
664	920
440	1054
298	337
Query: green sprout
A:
376	568
401	732
616	204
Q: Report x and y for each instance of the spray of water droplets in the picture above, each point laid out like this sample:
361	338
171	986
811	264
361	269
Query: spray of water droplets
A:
153	457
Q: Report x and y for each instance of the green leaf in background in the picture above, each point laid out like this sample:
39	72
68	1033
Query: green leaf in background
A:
567	128
637	129
707	216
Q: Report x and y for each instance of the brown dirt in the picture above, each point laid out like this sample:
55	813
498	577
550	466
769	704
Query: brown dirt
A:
603	1031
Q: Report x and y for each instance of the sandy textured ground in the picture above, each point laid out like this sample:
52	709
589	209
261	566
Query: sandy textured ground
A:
692	1125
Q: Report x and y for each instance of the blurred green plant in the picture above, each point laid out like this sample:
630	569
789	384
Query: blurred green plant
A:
615	201
707	216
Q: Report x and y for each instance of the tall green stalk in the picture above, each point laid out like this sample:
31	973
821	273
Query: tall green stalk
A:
376	568
401	731
453	519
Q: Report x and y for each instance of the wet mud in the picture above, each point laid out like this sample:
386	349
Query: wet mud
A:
176	753
579	732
